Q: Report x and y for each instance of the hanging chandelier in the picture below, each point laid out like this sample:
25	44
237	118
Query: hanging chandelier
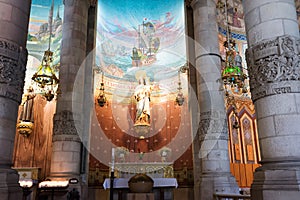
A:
45	77
232	74
180	97
101	99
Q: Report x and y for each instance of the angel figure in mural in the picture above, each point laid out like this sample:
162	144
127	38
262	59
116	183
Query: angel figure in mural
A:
27	110
236	17
142	97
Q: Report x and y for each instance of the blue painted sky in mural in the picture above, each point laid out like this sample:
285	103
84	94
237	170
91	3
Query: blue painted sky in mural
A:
38	30
39	12
163	37
133	12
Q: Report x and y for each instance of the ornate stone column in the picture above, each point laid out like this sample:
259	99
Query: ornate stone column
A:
273	64
212	133
14	19
66	155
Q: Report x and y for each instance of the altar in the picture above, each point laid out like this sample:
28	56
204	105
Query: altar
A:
161	173
158	183
152	169
162	188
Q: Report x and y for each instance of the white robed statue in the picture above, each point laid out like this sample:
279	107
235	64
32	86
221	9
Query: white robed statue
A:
142	96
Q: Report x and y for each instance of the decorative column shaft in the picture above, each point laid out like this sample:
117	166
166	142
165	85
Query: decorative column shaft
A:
273	64
14	20
66	155
213	135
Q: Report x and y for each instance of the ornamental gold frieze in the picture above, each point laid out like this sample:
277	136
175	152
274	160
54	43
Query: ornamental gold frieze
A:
273	67
242	103
13	60
164	168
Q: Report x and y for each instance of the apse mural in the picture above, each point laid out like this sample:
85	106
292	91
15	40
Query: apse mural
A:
140	50
233	17
145	35
42	14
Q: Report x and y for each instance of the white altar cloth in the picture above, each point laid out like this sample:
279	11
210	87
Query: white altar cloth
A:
158	182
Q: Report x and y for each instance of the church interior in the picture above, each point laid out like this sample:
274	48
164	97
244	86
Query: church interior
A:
154	100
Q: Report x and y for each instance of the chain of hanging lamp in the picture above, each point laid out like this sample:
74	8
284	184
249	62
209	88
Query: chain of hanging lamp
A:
232	75
45	77
180	97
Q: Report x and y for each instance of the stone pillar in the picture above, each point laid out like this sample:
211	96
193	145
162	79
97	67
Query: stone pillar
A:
214	166
14	17
273	64
66	155
88	103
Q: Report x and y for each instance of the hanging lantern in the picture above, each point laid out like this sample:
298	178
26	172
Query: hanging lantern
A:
45	77
180	97
232	73
101	99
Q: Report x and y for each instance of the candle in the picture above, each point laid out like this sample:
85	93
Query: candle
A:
112	159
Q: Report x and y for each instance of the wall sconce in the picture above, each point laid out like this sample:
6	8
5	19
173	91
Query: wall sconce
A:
101	99
25	128
180	98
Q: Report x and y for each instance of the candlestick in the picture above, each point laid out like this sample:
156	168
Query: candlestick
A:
113	159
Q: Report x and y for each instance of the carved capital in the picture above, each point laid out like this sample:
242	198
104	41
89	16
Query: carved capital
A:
273	67
213	126
13	60
64	124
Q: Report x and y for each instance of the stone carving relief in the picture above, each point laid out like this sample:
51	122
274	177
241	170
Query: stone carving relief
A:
273	67
13	60
64	123
212	126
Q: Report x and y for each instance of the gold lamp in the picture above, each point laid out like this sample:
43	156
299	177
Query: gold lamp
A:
45	77
25	128
101	99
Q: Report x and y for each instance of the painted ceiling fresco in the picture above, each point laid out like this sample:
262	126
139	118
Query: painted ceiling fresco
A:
42	11
144	37
233	17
